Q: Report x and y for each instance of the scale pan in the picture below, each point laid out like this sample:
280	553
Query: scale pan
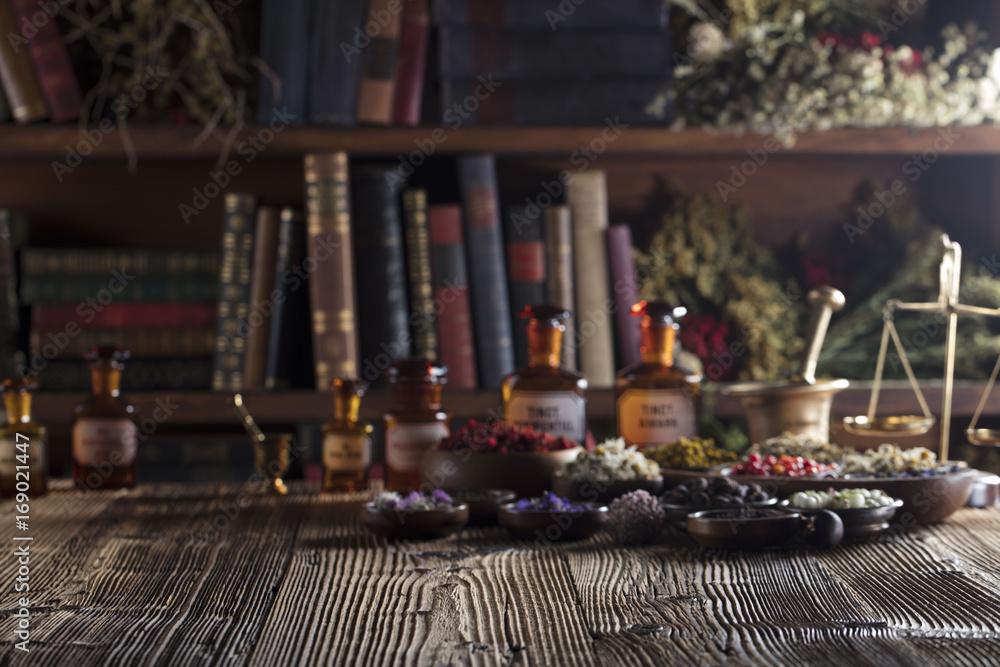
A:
899	426
989	437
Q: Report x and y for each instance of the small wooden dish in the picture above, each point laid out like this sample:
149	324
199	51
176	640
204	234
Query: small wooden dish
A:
678	514
860	522
528	474
483	505
418	524
603	492
718	529
552	526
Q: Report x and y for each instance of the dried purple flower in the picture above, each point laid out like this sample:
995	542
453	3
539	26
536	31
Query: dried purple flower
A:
637	518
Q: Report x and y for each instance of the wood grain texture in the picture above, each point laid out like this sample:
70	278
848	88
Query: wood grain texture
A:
200	574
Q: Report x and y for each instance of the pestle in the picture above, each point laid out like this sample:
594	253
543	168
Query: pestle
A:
823	302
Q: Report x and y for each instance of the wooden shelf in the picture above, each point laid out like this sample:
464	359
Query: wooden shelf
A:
178	142
212	409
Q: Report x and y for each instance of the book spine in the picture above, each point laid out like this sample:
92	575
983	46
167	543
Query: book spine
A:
559	284
418	251
4	107
156	343
139	374
283	50
532	14
451	292
625	291
614	104
488	275
381	277
376	92
526	271
261	305
331	284
48	261
587	196
118	285
335	61
412	63
234	291
17	75
53	68
124	315
289	357
467	53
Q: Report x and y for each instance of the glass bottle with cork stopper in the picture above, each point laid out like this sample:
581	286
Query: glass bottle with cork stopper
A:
104	429
415	422
347	443
24	460
655	401
544	394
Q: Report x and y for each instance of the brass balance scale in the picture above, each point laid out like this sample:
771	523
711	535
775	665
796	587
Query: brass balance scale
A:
897	426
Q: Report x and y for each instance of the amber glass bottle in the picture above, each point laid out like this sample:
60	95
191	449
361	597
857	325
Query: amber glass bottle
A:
347	443
656	402
543	394
415	423
24	457
104	430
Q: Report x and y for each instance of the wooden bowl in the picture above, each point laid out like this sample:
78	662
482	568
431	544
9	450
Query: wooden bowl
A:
419	524
603	492
552	526
526	474
484	505
858	522
715	530
678	514
925	499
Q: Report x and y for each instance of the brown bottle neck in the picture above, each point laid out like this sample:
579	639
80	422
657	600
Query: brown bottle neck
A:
18	405
346	408
657	345
416	397
104	381
544	345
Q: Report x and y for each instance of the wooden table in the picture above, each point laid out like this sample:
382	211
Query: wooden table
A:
176	575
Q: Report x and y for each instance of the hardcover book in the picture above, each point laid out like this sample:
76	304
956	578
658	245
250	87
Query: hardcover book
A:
559	283
285	51
451	292
526	271
336	51
261	305
376	93
141	343
552	16
119	285
139	374
124	315
101	261
233	291
625	292
53	68
487	273
331	284
17	75
289	357
412	63
381	271
588	198
418	255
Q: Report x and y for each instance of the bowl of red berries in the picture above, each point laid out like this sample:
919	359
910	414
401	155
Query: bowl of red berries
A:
493	455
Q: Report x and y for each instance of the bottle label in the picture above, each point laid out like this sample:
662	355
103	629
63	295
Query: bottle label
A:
34	451
346	453
555	412
405	444
655	416
97	441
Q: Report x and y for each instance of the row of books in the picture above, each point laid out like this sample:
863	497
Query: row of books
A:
390	275
37	80
484	62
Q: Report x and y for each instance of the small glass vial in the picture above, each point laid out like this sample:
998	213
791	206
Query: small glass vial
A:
656	402
544	394
104	430
347	443
415	422
24	457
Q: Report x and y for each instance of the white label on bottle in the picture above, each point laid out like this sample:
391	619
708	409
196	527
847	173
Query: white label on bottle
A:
346	453
32	453
655	416
97	441
555	412
405	444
